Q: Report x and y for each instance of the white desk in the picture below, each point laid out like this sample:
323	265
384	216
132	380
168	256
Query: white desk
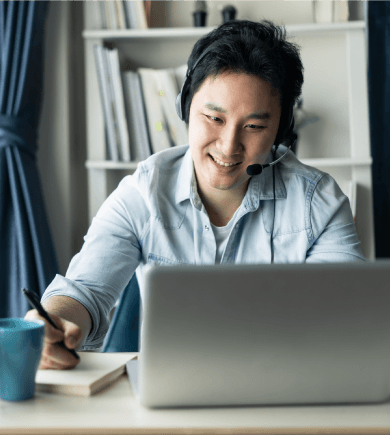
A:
115	411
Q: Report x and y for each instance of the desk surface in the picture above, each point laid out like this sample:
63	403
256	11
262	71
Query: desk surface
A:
115	411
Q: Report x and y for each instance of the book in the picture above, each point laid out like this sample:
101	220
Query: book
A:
341	11
125	14
107	103
167	90
141	14
130	14
124	142
96	10
107	15
113	15
120	12
111	94
136	116
137	14
157	125
139	106
148	11
103	18
323	11
94	372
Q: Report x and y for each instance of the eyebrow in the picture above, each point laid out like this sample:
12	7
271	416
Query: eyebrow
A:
254	115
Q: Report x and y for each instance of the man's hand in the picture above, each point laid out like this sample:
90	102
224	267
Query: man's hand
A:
53	356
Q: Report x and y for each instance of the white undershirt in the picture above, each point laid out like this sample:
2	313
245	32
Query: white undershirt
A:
221	235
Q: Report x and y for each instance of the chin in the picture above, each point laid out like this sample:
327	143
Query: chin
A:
221	187
227	186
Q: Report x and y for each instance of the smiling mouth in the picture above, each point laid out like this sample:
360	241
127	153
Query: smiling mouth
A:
220	163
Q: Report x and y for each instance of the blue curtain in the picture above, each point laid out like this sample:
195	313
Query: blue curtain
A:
378	44
27	257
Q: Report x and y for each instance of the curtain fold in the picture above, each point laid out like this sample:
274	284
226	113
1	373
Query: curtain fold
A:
27	257
378	44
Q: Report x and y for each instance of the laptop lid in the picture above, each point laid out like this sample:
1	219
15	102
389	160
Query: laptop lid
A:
265	334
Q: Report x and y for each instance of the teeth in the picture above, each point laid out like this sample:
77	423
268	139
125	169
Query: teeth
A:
222	163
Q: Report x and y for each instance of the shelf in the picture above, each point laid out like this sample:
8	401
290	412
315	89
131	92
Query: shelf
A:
197	32
312	28
108	164
334	162
317	163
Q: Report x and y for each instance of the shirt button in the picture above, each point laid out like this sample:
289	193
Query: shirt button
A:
206	227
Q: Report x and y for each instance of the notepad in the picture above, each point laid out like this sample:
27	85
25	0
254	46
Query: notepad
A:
94	372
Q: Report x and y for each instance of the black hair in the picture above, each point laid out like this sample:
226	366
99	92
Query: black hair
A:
259	49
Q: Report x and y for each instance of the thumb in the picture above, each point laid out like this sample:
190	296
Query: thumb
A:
72	334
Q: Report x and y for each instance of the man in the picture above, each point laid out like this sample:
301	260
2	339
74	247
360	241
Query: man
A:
201	204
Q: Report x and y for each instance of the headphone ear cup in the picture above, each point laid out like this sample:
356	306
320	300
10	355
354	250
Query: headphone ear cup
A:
180	99
178	107
286	126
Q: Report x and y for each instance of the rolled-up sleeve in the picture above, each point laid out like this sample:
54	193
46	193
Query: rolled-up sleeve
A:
111	252
332	231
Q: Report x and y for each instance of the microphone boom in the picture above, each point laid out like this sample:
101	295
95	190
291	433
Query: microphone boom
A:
257	169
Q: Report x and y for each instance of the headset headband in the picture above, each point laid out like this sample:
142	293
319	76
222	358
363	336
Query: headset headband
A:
286	126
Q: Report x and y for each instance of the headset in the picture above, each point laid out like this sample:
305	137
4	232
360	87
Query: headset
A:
285	131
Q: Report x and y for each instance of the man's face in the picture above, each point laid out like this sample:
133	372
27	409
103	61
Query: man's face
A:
233	124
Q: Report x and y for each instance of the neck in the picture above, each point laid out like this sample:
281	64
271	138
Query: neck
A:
222	204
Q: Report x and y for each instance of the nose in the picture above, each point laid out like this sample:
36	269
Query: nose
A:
229	142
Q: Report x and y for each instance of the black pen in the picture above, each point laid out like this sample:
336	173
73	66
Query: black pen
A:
32	297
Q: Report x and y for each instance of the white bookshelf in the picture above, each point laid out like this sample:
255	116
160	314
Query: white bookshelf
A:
198	32
335	162
335	89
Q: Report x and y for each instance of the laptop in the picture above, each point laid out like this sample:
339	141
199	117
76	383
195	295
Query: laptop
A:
229	335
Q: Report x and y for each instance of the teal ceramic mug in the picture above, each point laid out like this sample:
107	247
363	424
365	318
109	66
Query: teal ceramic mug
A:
21	344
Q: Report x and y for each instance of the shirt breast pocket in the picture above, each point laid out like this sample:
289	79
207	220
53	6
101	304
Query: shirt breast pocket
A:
288	219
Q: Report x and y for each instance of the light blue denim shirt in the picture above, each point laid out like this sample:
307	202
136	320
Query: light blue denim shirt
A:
156	216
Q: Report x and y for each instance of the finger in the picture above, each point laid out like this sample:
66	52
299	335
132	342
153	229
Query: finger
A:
52	335
72	335
58	355
49	366
45	364
55	356
50	363
54	366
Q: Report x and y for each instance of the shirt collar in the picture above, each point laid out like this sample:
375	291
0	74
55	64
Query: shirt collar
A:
186	181
260	186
